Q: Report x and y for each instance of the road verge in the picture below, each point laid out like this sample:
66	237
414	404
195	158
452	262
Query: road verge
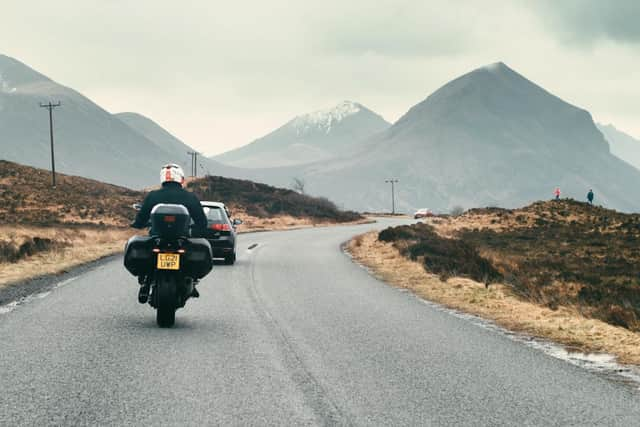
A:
497	302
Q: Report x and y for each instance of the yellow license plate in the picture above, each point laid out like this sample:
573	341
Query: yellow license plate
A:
168	261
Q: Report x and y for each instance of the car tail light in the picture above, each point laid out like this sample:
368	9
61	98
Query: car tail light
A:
221	227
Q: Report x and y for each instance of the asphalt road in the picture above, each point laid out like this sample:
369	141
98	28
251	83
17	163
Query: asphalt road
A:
293	334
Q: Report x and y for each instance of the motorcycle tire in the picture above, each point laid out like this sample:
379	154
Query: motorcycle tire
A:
166	301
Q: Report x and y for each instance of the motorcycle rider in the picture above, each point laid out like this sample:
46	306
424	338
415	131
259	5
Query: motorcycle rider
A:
172	180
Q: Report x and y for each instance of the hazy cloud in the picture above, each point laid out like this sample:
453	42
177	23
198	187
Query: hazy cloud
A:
587	21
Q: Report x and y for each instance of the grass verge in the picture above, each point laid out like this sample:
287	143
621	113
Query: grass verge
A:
565	325
73	246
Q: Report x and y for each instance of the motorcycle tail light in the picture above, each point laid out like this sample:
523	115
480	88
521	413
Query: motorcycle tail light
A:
169	218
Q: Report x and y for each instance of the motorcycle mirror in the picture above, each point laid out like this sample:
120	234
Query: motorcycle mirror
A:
137	206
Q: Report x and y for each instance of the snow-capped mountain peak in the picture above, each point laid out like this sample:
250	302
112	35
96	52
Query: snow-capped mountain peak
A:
324	120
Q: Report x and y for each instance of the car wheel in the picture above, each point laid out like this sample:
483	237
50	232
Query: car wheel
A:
230	259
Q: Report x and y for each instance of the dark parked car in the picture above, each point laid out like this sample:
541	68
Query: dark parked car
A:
221	231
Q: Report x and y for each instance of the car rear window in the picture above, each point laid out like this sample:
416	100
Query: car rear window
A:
214	214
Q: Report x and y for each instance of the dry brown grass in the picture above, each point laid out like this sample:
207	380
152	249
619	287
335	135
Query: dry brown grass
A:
498	303
82	245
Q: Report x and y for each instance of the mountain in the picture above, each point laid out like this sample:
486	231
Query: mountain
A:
488	138
622	145
308	138
154	132
89	141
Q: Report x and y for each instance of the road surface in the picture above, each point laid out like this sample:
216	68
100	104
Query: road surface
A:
293	334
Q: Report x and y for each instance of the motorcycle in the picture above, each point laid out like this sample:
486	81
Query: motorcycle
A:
168	261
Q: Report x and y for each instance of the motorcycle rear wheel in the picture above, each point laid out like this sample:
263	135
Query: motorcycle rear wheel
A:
166	301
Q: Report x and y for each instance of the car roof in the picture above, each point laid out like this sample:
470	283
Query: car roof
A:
213	204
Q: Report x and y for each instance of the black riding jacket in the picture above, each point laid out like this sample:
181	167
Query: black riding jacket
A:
172	192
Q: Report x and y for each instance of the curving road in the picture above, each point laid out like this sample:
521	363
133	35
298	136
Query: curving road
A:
293	334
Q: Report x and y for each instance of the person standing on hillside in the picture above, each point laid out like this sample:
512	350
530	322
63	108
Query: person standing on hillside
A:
590	197
557	193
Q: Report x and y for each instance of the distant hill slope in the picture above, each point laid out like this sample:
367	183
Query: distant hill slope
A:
166	141
261	200
490	137
26	197
90	141
308	138
622	145
153	132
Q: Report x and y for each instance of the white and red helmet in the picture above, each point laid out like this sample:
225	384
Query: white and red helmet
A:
172	173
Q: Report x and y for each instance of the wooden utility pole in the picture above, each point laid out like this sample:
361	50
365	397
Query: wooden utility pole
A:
393	194
194	162
50	106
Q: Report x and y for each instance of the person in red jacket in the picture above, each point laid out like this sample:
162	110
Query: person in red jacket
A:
557	193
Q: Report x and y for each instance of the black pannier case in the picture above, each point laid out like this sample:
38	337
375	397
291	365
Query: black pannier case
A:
138	255
198	259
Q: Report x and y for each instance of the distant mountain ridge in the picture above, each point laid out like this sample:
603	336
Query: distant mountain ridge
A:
126	150
308	138
489	137
622	145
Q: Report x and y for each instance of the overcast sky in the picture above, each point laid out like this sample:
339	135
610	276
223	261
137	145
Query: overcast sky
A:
219	74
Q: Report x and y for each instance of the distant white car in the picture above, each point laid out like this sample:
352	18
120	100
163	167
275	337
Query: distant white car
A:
422	213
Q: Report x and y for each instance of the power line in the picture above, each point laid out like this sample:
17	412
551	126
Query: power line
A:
393	181
50	106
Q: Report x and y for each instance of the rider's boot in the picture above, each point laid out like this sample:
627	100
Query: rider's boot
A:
143	293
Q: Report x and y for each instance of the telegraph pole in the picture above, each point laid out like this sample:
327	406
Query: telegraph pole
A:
194	162
393	194
50	106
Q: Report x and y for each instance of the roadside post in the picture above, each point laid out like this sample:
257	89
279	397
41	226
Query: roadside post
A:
50	106
393	181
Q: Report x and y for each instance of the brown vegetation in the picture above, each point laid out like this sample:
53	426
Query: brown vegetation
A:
443	256
560	253
265	201
26	197
70	247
